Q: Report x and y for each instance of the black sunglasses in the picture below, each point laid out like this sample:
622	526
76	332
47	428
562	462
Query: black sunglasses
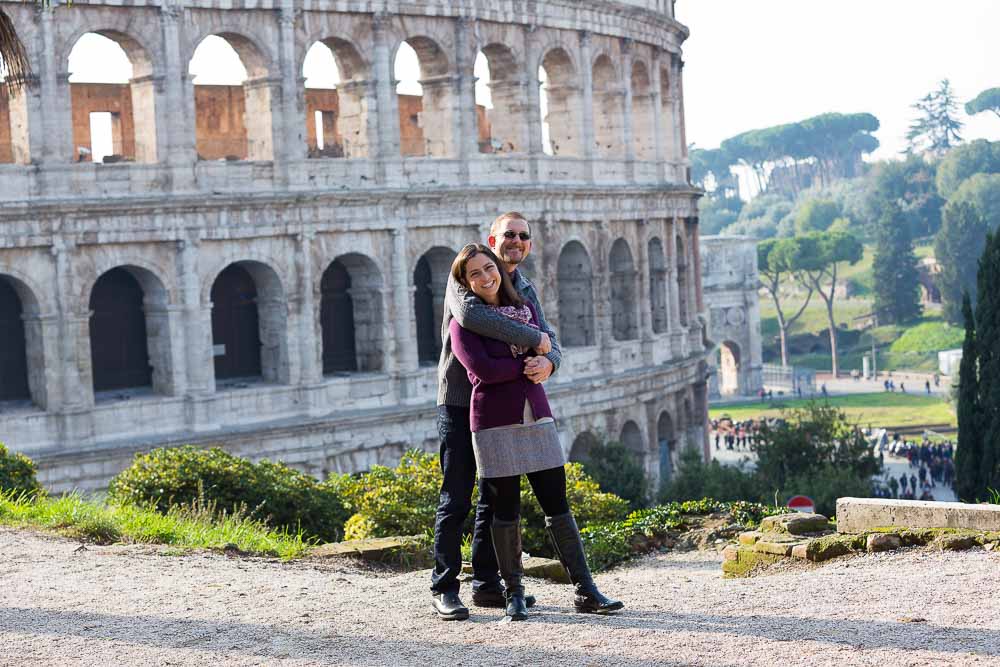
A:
524	236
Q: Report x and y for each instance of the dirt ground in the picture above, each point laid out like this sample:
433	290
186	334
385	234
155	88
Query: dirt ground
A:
132	605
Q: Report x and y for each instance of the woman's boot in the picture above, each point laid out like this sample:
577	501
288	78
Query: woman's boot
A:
569	547
507	543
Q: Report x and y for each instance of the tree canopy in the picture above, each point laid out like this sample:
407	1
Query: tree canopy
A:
976	157
988	100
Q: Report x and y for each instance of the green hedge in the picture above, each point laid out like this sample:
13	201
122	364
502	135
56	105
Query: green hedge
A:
403	501
268	491
17	472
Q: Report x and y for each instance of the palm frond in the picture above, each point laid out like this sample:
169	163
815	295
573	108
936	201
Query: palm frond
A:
13	55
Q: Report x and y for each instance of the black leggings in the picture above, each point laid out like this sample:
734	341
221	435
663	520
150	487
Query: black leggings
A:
504	493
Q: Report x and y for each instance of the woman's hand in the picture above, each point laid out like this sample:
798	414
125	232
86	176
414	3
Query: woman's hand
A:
545	346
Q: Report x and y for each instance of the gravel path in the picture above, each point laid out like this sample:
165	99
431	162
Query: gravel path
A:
144	606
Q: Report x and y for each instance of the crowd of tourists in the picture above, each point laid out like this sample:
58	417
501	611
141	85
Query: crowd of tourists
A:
930	464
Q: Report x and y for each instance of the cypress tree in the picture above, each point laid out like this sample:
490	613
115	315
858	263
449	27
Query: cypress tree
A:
897	281
969	485
988	353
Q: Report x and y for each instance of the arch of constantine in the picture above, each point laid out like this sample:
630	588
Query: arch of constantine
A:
262	266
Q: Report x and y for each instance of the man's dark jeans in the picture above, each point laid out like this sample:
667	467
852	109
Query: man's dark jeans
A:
458	464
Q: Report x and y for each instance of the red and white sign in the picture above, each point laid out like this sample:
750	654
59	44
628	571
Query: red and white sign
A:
802	504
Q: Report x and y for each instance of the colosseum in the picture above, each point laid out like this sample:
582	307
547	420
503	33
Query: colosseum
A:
261	265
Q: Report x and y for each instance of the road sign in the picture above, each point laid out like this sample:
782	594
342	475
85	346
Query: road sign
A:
802	504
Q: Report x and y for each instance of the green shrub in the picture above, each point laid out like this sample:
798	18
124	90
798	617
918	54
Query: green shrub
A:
826	484
17	472
403	501
617	471
266	491
696	479
929	337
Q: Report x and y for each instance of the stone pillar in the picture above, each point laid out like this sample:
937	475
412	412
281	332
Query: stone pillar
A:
675	112
533	108
659	131
627	125
466	124
199	357
358	121
386	103
407	364
674	320
145	91
55	112
175	110
587	79
602	293
310	353
644	301
262	114
76	394
289	126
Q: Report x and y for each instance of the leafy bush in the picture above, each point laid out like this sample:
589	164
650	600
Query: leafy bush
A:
929	337
265	491
827	483
17	472
403	501
696	479
618	471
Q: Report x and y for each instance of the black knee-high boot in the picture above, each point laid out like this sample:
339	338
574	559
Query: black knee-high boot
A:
507	543
565	537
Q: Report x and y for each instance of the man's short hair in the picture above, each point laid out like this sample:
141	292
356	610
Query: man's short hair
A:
508	217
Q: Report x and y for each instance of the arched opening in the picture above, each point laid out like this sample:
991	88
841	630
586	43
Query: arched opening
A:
583	445
426	99
336	99
643	114
249	324
609	112
13	346
729	368
499	101
560	102
657	285
682	279
232	99
666	439
113	98
574	276
119	340
351	316
430	278
631	438
624	319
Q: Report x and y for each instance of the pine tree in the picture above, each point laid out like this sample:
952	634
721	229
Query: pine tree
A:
897	281
988	353
969	485
937	128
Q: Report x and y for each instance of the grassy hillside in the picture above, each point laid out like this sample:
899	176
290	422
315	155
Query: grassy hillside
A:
879	409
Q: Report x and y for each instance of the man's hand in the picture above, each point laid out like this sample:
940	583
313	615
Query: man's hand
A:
545	346
538	369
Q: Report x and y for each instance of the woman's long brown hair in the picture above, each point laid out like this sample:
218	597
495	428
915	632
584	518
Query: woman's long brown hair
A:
508	293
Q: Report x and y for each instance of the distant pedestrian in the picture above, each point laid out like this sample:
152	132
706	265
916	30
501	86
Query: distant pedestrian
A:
903	482
823	389
927	386
902	387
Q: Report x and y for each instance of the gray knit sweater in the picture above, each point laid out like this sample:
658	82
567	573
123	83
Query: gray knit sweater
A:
454	387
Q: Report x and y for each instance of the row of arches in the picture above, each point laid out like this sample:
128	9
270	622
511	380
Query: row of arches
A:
235	93
662	456
129	323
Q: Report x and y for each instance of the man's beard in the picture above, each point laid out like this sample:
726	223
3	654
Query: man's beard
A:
506	258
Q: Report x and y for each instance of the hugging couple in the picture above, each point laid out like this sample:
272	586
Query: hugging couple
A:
493	416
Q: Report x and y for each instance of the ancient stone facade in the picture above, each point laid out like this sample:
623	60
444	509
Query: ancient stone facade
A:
286	303
731	283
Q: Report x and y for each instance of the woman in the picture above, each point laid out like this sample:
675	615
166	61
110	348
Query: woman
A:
513	433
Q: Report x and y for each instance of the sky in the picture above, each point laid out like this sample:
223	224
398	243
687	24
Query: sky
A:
755	63
748	63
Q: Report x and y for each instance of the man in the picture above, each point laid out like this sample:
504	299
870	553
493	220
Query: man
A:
510	239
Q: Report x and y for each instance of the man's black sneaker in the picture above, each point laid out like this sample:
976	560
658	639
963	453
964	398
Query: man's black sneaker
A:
449	607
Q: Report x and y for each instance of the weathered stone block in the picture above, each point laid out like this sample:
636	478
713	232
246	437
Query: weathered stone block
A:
831	546
730	553
777	547
857	515
748	538
746	560
408	551
955	542
545	568
795	523
883	542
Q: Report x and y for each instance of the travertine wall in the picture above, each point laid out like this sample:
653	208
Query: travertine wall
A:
176	222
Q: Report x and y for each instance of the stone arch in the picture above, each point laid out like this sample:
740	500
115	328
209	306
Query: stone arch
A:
503	127
631	438
682	279
246	110
609	112
658	280
129	330
17	363
434	134
249	323
339	115
430	278
730	367
131	106
561	103
666	439
624	290
583	445
574	277
643	113
351	315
